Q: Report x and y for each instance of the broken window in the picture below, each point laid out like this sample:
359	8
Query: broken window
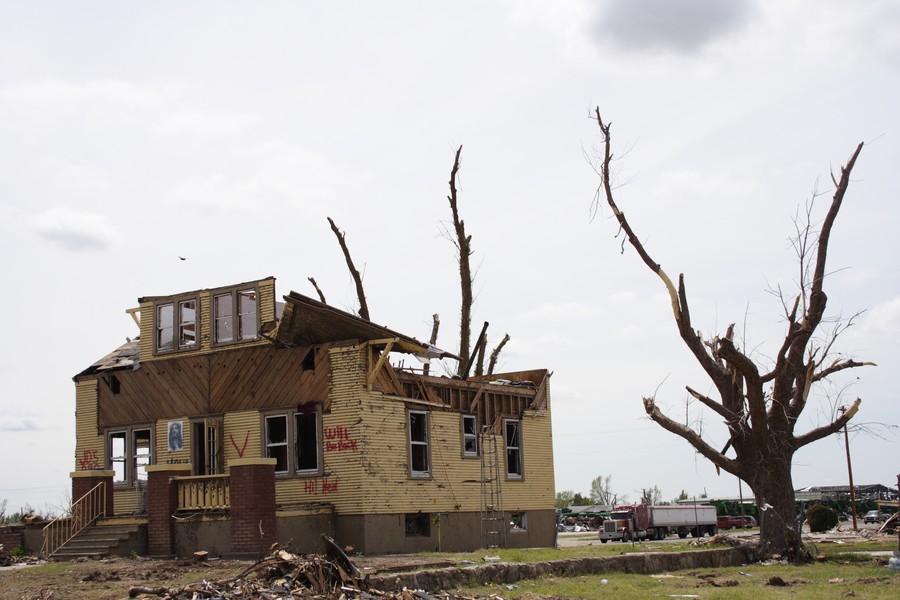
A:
418	525
247	321
518	522
206	447
117	455
418	444
513	439
129	453
224	320
294	440
277	441
306	444
470	435
141	451
235	316
165	324
187	323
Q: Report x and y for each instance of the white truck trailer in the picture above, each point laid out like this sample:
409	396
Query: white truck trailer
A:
642	521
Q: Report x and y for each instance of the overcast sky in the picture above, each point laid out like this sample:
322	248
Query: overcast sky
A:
226	132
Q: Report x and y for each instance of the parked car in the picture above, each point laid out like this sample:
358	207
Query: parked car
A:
735	521
873	516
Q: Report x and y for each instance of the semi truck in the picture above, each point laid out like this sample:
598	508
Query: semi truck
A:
642	521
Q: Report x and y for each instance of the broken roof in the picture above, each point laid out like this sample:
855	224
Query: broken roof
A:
123	357
306	321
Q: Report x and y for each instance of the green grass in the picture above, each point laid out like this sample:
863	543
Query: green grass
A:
822	580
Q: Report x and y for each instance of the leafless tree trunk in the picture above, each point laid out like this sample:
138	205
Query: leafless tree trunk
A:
435	325
464	248
760	408
360	293
496	353
318	291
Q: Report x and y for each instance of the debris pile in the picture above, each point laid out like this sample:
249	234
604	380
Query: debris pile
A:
284	575
7	559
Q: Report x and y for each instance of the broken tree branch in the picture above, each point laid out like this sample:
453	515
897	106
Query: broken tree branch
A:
360	293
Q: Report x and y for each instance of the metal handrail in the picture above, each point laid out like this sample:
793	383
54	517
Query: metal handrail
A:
83	512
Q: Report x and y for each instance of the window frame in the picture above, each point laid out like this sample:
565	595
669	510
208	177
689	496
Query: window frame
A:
235	319
519	474
177	325
465	436
413	445
291	444
133	467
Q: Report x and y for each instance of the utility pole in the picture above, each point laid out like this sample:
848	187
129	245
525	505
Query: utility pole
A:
843	409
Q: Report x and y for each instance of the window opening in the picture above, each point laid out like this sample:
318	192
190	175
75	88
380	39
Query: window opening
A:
165	315
247	314
418	443
513	448
418	525
140	441
518	522
224	312
470	435
205	447
118	455
187	323
276	441
306	444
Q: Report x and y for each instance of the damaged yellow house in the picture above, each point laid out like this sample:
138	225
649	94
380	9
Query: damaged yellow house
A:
251	421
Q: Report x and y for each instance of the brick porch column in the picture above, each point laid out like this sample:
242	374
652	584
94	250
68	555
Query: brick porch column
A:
252	504
162	501
85	481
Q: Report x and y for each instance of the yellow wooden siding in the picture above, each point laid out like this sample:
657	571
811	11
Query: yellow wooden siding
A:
90	449
125	500
343	454
266	301
148	330
204	316
241	436
536	490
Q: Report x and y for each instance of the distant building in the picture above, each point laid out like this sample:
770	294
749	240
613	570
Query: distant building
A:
842	492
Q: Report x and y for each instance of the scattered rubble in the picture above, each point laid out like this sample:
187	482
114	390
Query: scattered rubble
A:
7	559
282	574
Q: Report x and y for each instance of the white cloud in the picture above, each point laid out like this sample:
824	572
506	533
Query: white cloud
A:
84	178
883	319
562	311
73	230
682	26
19	424
52	99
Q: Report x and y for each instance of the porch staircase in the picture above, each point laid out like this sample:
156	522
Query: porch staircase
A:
100	540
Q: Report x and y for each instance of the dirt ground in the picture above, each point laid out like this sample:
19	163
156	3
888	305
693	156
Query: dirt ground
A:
111	578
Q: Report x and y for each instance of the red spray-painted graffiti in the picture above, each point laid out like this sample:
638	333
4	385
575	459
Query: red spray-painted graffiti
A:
311	486
240	450
90	459
338	439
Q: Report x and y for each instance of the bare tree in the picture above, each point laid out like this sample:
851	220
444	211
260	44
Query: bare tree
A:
496	353
464	250
435	325
357	279
759	407
312	280
601	491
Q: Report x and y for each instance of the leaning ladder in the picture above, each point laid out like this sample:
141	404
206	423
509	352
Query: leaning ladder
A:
493	532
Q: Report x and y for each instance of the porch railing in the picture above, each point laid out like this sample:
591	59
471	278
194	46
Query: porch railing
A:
203	492
82	513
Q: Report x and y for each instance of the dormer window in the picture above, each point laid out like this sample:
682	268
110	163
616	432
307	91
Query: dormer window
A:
180	317
235	316
187	323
